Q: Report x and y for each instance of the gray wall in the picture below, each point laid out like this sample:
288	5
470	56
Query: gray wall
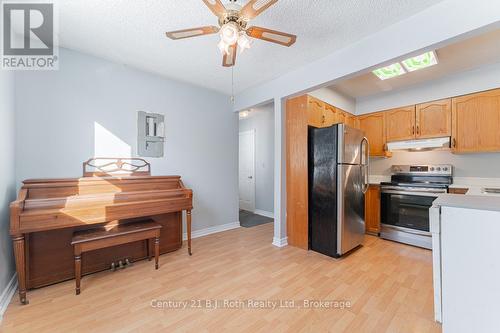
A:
262	120
7	174
90	107
469	165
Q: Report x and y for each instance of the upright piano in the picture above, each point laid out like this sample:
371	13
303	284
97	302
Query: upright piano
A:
112	191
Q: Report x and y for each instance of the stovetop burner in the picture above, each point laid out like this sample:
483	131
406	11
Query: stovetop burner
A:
431	176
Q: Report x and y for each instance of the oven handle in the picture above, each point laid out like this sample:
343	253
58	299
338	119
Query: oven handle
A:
415	193
407	230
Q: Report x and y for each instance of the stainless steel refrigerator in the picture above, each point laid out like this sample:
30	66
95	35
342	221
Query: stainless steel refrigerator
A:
338	181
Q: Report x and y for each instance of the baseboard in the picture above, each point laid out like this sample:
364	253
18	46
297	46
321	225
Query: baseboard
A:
212	230
7	295
280	242
264	213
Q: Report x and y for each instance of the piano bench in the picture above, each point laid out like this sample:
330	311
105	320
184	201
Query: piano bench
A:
99	238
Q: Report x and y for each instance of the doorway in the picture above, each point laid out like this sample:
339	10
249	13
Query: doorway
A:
256	166
247	170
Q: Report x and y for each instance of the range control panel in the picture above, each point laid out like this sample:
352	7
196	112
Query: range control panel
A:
431	169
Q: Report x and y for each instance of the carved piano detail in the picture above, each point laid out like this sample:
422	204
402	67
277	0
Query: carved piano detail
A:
112	191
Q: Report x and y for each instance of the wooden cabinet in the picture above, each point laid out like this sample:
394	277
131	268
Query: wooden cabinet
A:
372	210
433	119
373	125
297	118
316	112
400	124
476	122
331	115
458	190
352	121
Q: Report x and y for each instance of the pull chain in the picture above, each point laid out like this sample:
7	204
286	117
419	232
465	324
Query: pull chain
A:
232	84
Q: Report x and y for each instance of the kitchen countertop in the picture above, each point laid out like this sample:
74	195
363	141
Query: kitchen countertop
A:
377	179
476	185
470	201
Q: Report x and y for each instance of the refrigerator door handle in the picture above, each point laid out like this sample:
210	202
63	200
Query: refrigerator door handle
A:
365	165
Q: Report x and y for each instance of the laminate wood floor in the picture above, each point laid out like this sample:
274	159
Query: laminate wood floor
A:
388	285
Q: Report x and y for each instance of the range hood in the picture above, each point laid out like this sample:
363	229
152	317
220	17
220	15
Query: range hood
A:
419	145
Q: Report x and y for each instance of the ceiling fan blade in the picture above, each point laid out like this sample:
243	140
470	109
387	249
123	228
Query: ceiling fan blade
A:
193	32
216	7
272	36
229	60
255	7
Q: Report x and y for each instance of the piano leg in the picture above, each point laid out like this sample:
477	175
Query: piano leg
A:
157	251
19	253
188	222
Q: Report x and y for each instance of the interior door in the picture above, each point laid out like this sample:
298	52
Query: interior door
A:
247	170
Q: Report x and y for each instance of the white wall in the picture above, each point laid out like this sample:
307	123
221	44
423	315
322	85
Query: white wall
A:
64	117
7	174
333	97
479	79
262	121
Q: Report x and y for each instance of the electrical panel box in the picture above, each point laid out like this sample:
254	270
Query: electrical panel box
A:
151	134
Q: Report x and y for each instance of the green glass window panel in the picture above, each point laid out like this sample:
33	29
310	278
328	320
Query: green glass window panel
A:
389	71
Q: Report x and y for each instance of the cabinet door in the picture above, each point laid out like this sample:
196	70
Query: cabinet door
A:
400	124
476	122
316	112
341	116
351	121
374	127
330	113
372	210
433	119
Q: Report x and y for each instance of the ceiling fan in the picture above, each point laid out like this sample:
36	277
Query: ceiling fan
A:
234	33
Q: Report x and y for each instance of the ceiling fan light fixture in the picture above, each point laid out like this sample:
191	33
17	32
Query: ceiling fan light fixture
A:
229	33
244	42
223	47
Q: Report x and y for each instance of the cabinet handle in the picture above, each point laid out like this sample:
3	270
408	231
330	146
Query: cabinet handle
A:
418	130
454	143
413	130
323	119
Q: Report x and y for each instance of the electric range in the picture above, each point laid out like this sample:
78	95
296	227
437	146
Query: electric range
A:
406	199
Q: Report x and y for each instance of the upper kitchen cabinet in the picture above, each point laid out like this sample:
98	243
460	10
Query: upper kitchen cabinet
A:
316	112
331	115
400	123
373	125
352	121
476	122
433	119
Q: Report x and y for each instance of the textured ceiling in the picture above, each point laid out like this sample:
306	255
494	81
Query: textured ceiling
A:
131	32
454	58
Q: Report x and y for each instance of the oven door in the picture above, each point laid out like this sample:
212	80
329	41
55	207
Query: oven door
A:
408	209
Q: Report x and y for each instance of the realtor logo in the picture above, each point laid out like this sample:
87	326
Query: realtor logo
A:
29	36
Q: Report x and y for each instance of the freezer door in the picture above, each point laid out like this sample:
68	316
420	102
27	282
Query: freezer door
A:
349	145
323	190
351	207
